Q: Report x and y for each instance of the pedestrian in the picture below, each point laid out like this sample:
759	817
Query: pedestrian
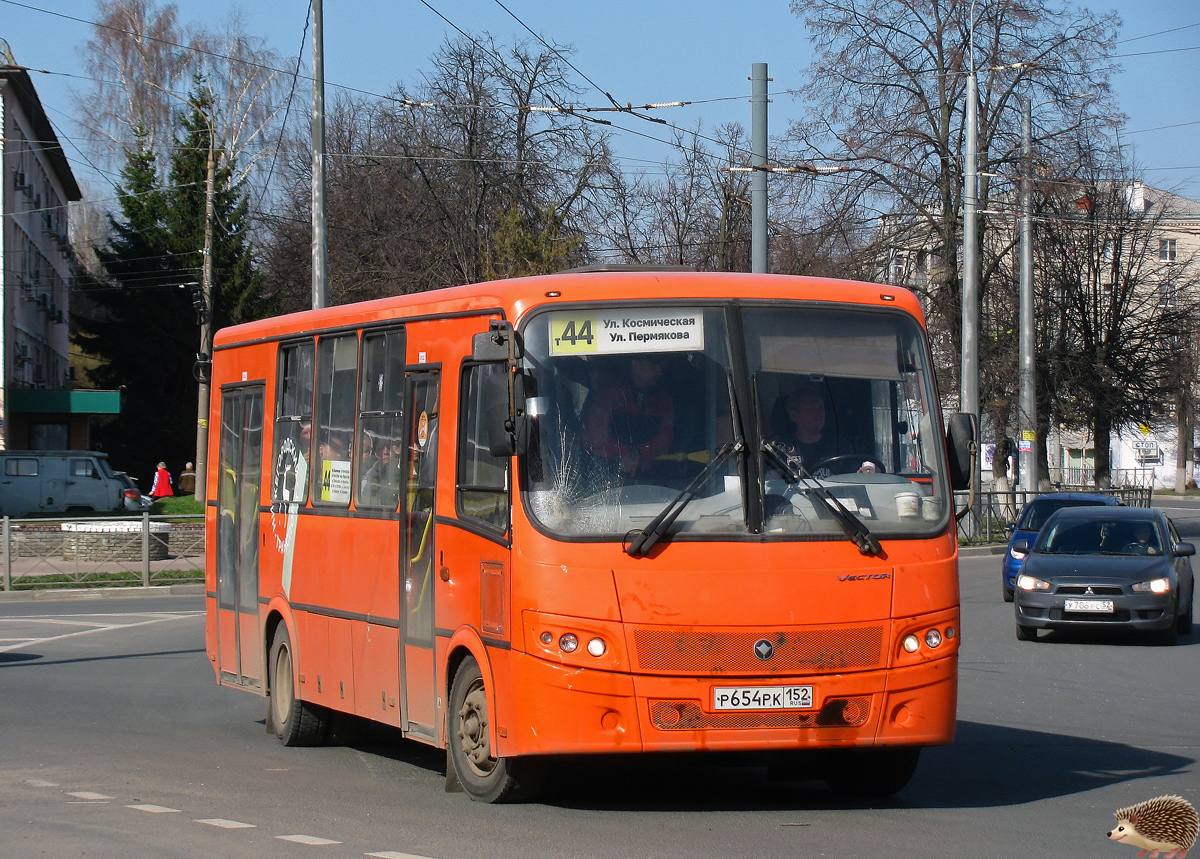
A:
187	481
161	487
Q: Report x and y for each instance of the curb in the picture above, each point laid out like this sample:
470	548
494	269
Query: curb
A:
976	551
101	593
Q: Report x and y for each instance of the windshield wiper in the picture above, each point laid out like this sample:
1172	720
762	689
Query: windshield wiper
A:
851	524
639	542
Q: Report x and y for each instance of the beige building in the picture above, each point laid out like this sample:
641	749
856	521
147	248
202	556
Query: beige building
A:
1142	456
38	407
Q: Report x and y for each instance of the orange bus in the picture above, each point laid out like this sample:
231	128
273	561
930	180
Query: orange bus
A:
588	513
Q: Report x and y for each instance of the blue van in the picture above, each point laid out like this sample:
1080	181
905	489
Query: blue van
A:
1033	515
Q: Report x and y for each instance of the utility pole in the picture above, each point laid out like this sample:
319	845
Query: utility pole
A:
1027	373
204	359
320	261
758	182
969	381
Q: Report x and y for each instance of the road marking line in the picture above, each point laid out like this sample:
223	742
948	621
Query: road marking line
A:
226	824
154	809
307	839
40	782
90	631
88	795
392	854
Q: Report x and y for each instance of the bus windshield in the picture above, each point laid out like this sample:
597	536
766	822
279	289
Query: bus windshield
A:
628	406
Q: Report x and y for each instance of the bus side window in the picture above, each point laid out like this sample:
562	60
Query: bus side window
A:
293	423
337	387
483	479
380	420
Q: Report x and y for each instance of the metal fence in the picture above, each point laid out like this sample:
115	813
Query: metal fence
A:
986	521
101	551
161	550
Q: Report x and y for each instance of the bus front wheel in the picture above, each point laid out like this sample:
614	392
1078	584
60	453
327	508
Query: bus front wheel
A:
296	722
483	776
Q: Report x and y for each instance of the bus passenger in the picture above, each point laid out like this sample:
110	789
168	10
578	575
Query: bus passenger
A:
631	423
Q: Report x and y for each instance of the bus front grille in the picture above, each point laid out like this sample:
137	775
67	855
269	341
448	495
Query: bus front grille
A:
791	652
690	716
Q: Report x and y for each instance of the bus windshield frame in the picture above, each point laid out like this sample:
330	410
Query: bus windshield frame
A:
628	404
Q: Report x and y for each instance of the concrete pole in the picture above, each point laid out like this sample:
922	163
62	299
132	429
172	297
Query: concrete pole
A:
969	382
206	333
320	260
1027	372
758	181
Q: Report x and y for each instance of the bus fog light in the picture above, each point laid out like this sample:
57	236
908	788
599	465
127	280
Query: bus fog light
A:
546	637
950	633
911	643
933	638
568	642
596	647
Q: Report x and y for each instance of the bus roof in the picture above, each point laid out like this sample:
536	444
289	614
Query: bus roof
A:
515	297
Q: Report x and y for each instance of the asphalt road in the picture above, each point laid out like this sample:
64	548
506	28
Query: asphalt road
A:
115	741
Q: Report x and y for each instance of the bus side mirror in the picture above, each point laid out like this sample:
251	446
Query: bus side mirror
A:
961	432
498	343
504	416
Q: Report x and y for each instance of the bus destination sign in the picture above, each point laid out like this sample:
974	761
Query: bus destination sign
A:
616	331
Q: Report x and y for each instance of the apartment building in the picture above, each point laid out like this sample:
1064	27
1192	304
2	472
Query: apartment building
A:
39	409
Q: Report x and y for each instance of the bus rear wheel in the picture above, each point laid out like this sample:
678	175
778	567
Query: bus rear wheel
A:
483	776
872	773
296	722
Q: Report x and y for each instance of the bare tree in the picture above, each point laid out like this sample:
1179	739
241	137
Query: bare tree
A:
143	62
887	91
1120	323
462	177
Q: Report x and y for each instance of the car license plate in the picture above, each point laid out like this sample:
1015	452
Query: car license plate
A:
1099	606
763	698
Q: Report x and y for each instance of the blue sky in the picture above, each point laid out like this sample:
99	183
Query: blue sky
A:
640	52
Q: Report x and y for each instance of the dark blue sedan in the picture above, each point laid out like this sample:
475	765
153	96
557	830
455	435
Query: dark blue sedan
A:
1029	522
1106	567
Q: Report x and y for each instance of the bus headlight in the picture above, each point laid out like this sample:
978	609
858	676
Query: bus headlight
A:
568	642
597	647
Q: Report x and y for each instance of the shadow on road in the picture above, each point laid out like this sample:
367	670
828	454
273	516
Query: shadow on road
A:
988	766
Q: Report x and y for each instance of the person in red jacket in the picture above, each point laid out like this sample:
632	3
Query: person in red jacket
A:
161	487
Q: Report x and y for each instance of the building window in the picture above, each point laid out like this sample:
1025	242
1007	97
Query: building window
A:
1166	250
1167	294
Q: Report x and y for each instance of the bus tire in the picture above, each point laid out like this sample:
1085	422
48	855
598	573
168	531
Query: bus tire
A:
296	722
872	773
484	777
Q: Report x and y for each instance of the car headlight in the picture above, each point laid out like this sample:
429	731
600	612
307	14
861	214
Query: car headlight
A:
1029	583
1154	586
1019	556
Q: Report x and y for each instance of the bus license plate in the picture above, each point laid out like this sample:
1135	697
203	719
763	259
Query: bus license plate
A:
1100	606
763	698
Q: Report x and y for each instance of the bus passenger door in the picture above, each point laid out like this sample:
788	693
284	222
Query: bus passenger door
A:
418	554
239	643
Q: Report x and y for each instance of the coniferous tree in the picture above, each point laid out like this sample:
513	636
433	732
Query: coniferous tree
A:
142	323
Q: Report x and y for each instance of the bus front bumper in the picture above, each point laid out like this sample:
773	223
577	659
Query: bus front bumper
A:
570	710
